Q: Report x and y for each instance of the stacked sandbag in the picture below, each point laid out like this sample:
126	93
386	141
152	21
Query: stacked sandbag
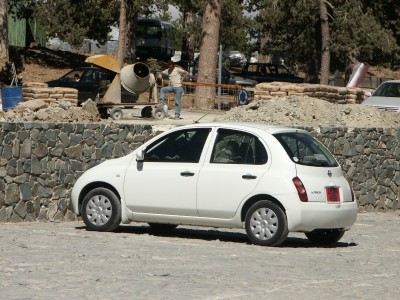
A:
37	90
342	95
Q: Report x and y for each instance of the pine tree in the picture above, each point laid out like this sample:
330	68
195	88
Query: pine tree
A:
208	53
4	55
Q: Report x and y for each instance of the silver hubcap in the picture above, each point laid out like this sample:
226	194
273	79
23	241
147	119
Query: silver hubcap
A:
99	210
264	223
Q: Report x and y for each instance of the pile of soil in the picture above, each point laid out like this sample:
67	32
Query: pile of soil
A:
57	111
311	112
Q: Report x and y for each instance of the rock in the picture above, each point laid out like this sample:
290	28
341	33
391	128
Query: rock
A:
33	105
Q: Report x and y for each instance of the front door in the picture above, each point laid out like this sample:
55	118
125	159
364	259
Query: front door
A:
165	182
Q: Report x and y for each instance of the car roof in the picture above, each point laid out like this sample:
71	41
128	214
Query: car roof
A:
392	81
270	128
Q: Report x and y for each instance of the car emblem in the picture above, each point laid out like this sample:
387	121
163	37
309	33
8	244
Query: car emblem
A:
329	173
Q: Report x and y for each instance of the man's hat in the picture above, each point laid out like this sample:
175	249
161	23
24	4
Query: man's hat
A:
175	59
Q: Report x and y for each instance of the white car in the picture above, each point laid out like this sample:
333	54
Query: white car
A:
269	180
386	96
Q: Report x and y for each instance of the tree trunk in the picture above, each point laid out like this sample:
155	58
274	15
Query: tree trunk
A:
4	55
265	39
188	37
122	34
204	97
130	55
325	54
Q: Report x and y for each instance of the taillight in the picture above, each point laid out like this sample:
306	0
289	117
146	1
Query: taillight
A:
353	197
301	190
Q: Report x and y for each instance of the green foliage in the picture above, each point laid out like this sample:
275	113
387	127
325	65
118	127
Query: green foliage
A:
356	31
365	30
74	20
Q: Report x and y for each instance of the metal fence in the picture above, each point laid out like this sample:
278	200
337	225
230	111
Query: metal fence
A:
225	97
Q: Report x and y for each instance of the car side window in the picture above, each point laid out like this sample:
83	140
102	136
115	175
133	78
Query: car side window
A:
184	146
236	147
88	76
72	76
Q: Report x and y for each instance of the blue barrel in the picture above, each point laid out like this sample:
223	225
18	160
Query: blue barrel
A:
11	96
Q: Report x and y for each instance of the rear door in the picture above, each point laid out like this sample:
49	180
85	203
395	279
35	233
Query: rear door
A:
320	173
231	171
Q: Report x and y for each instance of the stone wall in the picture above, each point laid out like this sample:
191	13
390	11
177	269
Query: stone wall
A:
370	159
40	162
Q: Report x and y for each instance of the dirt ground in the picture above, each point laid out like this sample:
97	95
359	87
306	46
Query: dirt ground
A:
41	65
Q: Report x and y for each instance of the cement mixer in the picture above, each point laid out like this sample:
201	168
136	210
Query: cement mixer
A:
135	79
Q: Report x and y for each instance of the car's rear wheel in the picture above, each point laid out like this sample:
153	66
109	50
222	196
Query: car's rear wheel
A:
325	237
162	227
101	210
266	224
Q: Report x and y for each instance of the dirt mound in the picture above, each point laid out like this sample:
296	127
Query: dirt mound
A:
311	112
57	111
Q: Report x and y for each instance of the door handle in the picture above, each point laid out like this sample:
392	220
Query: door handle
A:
187	174
248	176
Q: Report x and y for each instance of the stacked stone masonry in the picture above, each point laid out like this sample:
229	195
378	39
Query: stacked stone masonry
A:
41	161
340	95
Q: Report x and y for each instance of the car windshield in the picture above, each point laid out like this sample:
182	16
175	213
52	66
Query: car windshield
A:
305	150
388	89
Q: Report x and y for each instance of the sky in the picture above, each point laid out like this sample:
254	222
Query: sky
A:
173	11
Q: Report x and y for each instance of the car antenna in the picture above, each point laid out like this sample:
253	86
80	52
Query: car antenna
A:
197	121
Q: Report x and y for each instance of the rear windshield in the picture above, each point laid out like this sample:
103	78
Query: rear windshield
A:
305	150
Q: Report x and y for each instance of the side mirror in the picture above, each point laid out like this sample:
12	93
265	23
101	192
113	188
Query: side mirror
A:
140	155
368	94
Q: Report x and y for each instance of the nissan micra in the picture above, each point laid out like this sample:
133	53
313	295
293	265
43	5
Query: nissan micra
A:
266	179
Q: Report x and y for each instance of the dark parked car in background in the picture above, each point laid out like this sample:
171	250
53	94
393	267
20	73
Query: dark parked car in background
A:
266	72
91	82
226	78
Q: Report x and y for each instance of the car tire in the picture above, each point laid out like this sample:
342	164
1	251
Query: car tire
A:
101	210
162	227
266	224
325	237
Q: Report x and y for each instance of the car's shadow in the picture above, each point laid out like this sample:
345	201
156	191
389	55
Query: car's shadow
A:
218	235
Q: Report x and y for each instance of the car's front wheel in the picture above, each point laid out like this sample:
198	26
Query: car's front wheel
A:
101	210
266	224
325	237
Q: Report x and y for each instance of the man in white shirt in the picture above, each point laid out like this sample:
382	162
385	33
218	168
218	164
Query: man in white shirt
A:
175	75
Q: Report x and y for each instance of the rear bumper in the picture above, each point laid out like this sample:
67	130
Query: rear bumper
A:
311	216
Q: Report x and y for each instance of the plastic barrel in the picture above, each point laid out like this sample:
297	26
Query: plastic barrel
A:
11	96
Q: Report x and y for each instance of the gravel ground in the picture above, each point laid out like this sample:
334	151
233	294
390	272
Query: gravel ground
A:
64	261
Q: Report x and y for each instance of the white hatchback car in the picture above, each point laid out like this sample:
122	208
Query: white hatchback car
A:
269	180
386	96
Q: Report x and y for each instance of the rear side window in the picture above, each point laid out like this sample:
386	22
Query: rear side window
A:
305	150
237	147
